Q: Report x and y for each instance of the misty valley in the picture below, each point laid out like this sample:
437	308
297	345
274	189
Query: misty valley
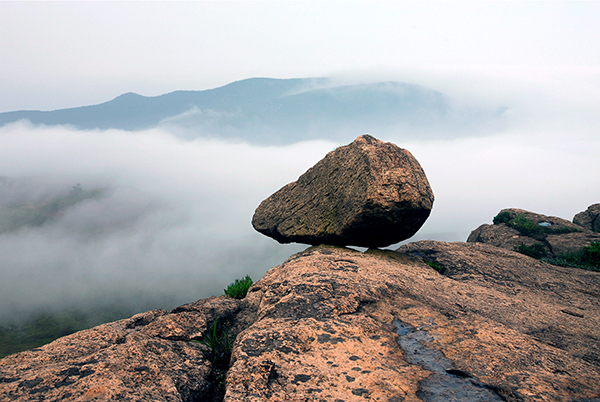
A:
144	203
25	205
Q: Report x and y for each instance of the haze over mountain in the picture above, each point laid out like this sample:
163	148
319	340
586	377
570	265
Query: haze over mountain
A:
164	213
278	111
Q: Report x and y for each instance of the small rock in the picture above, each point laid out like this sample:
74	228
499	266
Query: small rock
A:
590	218
368	194
557	236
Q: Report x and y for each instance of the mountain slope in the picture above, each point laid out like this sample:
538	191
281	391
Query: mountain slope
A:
265	110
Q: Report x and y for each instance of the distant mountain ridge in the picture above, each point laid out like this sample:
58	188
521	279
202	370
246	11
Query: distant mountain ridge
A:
267	110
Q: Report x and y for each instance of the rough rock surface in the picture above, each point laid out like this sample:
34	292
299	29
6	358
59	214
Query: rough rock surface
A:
368	193
590	218
557	240
148	357
334	324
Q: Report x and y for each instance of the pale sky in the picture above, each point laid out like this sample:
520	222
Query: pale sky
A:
65	54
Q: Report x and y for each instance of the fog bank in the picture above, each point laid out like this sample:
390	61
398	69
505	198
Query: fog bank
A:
165	221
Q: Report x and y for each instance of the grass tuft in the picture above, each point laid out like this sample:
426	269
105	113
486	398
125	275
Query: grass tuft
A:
219	347
436	265
239	288
536	251
502	217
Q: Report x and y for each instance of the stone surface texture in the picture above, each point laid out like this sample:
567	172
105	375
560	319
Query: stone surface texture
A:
590	218
334	324
369	193
555	244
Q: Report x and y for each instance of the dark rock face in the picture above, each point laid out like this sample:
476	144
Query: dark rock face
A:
335	324
515	227
368	193
590	218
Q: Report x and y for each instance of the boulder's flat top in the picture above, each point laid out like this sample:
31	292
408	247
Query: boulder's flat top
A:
332	323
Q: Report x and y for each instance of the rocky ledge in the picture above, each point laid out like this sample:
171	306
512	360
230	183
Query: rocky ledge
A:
334	324
536	234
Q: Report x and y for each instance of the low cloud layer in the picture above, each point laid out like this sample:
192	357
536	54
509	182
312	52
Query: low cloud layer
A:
171	223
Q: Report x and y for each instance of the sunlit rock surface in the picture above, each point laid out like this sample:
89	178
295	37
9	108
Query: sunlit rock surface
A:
332	323
369	193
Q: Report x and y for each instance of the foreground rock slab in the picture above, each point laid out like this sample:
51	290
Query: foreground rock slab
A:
334	324
368	193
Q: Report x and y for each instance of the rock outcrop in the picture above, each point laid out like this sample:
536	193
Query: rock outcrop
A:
590	218
334	324
553	236
368	193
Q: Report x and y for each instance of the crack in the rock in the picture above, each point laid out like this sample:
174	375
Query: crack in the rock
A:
446	383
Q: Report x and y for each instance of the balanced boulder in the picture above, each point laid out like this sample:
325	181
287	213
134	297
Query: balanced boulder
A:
368	194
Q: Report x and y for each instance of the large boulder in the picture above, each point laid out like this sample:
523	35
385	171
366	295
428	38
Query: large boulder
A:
336	324
369	193
590	218
554	237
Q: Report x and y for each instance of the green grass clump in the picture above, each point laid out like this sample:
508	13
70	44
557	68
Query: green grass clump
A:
590	255
529	228
239	288
536	251
219	345
219	353
588	258
436	265
502	217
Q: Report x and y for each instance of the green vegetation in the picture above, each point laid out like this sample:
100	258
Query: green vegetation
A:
14	217
502	217
588	258
529	228
436	265
219	352
536	251
239	288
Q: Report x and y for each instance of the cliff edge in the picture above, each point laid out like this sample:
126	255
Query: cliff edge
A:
332	323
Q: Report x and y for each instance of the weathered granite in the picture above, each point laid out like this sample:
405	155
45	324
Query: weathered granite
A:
369	193
590	218
334	324
557	241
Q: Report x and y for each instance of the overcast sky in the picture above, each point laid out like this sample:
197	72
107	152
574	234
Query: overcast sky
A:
65	54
